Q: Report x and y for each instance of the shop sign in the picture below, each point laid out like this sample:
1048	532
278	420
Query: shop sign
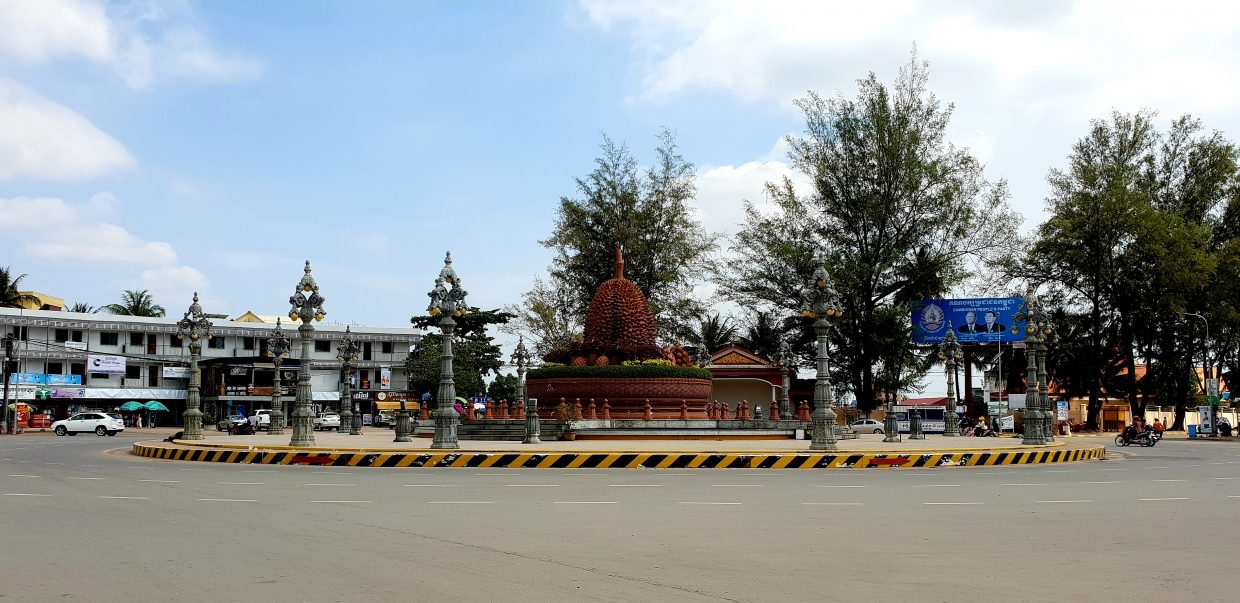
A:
108	365
64	380
26	378
69	392
79	346
176	372
361	396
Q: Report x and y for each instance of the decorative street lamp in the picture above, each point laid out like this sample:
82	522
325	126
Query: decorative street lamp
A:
197	327
785	360
950	354
1049	337
404	423
450	304
821	302
307	308
533	429
346	354
1038	415
277	349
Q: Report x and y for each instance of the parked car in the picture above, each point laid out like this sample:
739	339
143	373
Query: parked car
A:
87	422
261	418
326	421
227	423
867	426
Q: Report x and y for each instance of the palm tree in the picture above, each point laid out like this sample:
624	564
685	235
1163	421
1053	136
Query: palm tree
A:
136	303
82	307
713	333
763	335
9	296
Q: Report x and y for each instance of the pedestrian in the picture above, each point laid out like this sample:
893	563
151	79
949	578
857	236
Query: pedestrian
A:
139	421
1158	426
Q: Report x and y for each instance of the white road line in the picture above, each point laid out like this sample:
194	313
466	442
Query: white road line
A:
191	469
684	502
953	503
258	470
835	504
154	481
94	478
738	485
329	484
342	501
1102	482
334	472
1168	498
635	485
126	497
427	485
46	463
586	502
936	486
92	465
1168	480
532	485
1064	501
242	483
1060	470
1193	465
1227	478
24	494
1022	484
1218	463
227	500
1155	467
132	467
460	502
832	486
21	475
1233	496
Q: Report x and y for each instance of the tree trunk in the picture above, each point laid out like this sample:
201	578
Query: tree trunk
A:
1130	365
1095	356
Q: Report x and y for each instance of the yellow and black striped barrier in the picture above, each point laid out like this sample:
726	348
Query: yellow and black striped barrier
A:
622	460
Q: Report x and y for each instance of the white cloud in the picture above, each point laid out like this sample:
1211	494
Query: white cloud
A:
1026	78
140	41
102	244
722	190
45	140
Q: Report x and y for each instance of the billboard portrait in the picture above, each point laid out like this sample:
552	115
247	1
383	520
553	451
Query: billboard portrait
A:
980	320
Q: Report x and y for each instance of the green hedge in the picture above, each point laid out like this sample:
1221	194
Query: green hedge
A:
619	372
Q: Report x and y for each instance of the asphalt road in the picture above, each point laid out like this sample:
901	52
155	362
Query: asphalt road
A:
85	523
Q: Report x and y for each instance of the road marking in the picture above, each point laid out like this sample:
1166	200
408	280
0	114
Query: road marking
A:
586	502
1060	470
132	467
835	504
1022	484
92	465
342	501
46	463
953	503
1168	498
460	502
1155	467
1064	501
1222	463
532	485
1102	482
427	485
227	500
154	481
329	484
1233	496
126	497
334	472
635	485
936	486
24	494
95	478
242	483
191	469
258	470
1168	480
737	485
1193	465
989	472
1227	478
21	475
848	486
683	502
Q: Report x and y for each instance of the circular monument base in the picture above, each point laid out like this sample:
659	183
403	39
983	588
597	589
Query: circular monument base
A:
625	398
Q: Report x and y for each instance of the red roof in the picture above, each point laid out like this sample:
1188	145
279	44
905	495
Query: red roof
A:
939	401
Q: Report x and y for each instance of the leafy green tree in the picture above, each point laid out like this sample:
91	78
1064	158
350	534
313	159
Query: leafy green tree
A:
474	353
645	213
136	303
763	335
82	307
504	387
10	297
713	333
545	317
895	213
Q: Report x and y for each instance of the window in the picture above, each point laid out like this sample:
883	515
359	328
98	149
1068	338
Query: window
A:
21	333
55	368
136	339
322	345
366	350
77	336
94	376
216	343
133	371
386	347
62	335
153	373
247	343
175	342
108	338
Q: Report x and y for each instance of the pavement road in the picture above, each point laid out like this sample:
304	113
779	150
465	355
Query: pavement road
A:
83	520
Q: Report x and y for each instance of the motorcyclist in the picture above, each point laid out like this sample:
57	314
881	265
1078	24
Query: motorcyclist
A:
1130	433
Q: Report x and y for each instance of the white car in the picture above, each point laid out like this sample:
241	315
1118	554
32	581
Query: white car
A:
86	422
327	420
867	426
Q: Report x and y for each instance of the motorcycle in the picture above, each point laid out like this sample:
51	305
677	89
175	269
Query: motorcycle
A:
245	428
1143	438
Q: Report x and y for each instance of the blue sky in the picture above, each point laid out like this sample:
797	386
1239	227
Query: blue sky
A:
216	146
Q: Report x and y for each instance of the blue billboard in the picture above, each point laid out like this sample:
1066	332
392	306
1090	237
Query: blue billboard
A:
982	320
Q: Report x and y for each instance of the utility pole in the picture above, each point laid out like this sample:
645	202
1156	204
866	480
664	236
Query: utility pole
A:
8	353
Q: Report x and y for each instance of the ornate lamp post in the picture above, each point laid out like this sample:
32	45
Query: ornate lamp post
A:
277	349
950	354
448	303
1036	425
307	308
785	360
533	429
197	327
821	302
346	353
1049	336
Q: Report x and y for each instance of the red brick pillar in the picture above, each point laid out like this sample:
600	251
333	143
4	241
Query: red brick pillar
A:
606	410
647	413
520	406
723	411
469	412
684	410
577	408
774	411
590	410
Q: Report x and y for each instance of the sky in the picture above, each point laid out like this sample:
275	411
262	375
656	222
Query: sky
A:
215	146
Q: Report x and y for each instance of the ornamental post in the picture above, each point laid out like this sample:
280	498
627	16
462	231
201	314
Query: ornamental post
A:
448	304
307	308
346	353
950	353
278	347
785	361
533	428
821	302
196	326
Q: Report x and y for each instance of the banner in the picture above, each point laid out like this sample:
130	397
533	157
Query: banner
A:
176	372
64	379
385	378
26	378
79	346
983	320
1061	410
109	365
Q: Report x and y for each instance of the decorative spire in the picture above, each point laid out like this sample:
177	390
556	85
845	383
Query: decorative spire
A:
619	263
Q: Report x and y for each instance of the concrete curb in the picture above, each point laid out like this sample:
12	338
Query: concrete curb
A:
617	459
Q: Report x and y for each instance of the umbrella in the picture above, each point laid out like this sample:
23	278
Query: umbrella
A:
131	406
153	405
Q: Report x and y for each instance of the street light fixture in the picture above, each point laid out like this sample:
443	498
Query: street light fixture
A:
196	326
533	428
447	304
307	308
821	302
346	354
785	360
278	347
950	354
1038	417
